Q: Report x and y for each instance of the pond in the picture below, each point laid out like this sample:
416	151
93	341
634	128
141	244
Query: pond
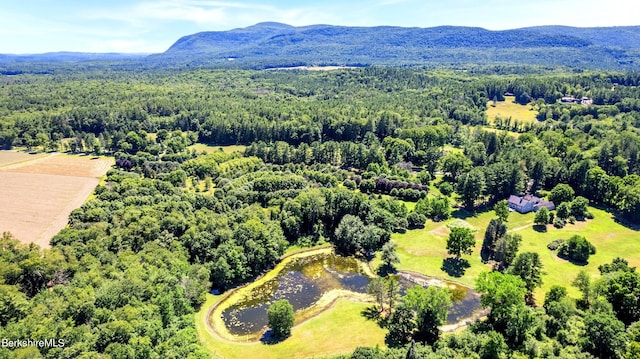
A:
304	280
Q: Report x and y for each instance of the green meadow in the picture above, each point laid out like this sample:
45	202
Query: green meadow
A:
201	147
424	250
315	337
509	108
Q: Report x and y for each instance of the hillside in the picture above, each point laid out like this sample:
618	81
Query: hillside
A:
65	56
618	36
273	44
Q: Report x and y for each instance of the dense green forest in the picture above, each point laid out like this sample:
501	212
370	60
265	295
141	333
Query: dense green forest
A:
331	157
272	44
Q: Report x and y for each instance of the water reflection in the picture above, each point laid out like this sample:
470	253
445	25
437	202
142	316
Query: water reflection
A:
304	280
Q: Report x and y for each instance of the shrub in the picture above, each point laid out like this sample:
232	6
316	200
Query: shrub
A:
424	177
445	188
558	222
589	215
572	219
416	220
555	244
577	248
350	184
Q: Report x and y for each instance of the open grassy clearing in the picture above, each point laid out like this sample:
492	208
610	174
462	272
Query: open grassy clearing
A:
424	250
500	132
509	108
201	147
451	149
610	239
39	194
312	336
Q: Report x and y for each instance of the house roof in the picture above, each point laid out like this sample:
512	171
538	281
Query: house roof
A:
547	204
516	200
530	199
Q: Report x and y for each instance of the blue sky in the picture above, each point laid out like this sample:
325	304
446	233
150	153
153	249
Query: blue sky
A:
36	26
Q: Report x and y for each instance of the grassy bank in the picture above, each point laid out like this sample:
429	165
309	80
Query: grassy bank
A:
316	332
424	250
323	335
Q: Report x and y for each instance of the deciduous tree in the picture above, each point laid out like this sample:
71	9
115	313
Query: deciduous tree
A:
528	267
460	241
471	186
430	306
561	193
502	210
542	217
281	318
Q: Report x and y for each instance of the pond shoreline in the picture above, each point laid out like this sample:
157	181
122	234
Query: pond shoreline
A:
463	322
215	324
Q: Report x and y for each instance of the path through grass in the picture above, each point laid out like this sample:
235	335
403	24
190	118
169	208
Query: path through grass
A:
424	250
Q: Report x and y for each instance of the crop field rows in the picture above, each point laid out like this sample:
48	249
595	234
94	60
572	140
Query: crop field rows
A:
38	192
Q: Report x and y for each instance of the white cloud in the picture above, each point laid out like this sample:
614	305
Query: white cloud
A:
201	13
148	25
216	15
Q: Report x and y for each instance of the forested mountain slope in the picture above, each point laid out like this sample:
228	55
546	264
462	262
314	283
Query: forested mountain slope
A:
273	44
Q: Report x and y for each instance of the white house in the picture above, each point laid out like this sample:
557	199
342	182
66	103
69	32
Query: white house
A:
529	203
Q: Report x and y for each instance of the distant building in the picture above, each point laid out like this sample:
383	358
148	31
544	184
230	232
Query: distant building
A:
528	203
576	101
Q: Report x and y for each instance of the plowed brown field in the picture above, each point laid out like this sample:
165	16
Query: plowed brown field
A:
38	192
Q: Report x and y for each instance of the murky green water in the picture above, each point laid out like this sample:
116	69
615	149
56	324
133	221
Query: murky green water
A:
303	281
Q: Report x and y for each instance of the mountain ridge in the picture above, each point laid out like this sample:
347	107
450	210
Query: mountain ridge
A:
273	44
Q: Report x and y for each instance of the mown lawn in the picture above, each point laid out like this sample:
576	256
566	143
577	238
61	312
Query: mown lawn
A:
319	336
338	330
424	250
610	239
509	108
200	147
